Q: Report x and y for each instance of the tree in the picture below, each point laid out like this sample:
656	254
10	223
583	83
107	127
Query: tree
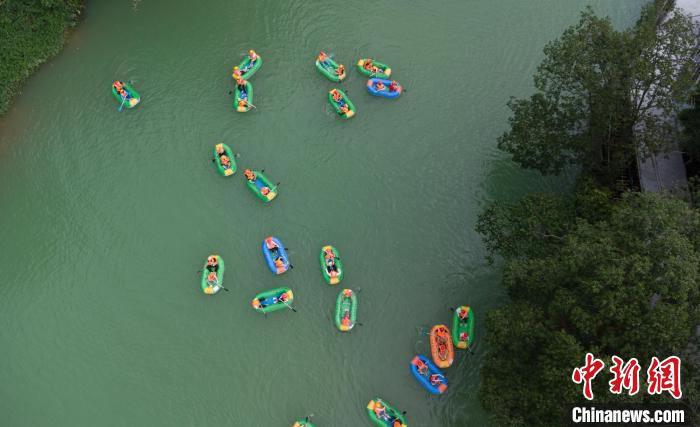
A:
601	94
690	118
586	273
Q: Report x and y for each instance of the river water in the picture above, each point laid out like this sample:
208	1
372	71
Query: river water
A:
106	216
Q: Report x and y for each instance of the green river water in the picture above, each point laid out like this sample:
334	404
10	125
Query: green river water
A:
106	216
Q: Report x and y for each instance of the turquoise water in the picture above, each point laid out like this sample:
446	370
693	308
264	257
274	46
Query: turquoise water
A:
105	217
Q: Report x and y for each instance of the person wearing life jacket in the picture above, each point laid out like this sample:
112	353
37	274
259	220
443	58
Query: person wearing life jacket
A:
442	351
225	162
212	264
270	243
393	86
396	423
242	103
380	411
212	279
464	336
379	85
336	95
463	314
253	56
279	263
118	85
435	379
241	83
368	64
265	191
422	367
341	70
322	57
283	297
344	109
249	174
236	73
347	292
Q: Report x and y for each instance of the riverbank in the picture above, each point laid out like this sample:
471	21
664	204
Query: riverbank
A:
31	33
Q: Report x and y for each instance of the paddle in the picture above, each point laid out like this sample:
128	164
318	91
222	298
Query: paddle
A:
308	417
123	101
288	306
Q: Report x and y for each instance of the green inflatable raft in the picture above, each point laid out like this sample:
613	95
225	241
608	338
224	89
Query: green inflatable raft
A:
212	288
221	150
132	99
247	69
243	99
330	68
463	327
273	300
342	102
346	310
387	414
382	72
262	187
331	266
303	423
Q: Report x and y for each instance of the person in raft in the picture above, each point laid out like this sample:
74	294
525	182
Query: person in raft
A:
379	85
337	97
253	57
435	379
341	70
119	87
249	174
369	66
344	109
322	58
345	321
422	367
279	263
212	264
225	162
241	84
393	86
212	279
442	351
380	411
463	315
236	73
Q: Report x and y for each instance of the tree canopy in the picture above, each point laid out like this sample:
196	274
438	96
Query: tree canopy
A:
602	94
585	273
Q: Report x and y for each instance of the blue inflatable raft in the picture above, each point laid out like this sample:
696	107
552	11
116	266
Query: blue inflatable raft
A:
275	255
423	369
385	92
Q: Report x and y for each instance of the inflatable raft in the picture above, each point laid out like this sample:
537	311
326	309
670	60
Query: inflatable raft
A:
343	101
275	255
329	68
373	89
243	99
303	423
346	310
441	346
219	151
273	300
424	374
463	329
383	71
247	69
212	288
132	97
331	266
262	187
383	414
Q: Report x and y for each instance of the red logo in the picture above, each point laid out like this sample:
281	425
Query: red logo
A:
625	376
587	373
665	376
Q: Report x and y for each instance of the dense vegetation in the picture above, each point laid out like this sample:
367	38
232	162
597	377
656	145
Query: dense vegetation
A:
602	270
31	31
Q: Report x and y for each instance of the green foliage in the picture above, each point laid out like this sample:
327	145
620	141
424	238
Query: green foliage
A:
31	31
601	94
588	289
690	118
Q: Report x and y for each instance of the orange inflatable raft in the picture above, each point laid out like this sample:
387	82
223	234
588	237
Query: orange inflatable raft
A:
441	346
